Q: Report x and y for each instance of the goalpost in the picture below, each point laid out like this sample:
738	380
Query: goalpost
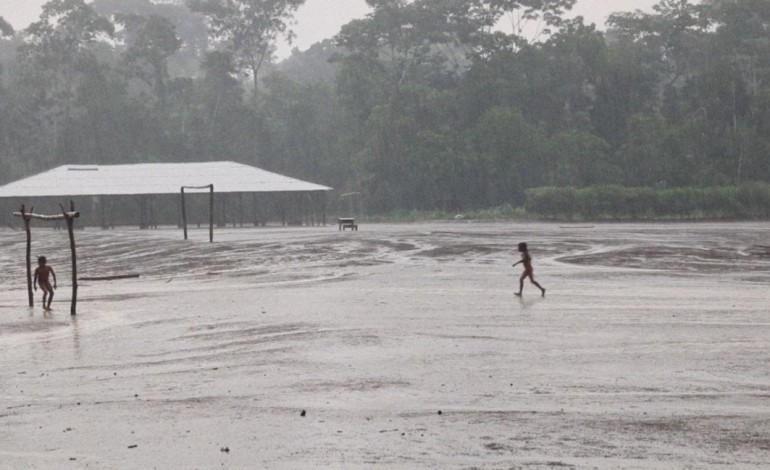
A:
69	217
210	187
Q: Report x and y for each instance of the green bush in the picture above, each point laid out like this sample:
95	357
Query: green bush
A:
747	201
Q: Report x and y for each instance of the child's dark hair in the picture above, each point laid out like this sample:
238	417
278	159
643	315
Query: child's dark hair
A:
41	259
522	246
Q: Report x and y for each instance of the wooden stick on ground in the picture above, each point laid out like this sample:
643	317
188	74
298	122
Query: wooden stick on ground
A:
111	278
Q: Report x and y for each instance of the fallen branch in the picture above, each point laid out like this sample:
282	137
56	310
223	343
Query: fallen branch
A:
111	278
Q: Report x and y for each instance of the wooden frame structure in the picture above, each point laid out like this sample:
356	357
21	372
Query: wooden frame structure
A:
210	187
69	217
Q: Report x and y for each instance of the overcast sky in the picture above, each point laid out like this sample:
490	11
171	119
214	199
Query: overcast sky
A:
320	19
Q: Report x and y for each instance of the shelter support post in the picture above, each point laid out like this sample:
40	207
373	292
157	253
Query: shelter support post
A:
141	211
151	220
323	207
240	210
310	210
222	216
211	214
184	215
102	212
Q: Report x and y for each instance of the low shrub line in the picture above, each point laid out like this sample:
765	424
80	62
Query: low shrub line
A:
746	201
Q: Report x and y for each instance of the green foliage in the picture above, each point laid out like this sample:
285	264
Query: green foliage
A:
747	201
250	27
153	42
189	27
421	106
5	28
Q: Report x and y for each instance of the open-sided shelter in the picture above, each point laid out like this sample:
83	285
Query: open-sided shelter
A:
148	194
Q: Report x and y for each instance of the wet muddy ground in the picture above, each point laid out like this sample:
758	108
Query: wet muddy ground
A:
403	345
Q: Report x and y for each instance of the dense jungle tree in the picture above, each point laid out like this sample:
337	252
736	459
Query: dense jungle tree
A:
152	42
249	27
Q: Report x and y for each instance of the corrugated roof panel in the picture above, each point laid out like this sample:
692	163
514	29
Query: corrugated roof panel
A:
153	178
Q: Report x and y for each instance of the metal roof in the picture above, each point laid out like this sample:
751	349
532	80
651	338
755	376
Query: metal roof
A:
153	178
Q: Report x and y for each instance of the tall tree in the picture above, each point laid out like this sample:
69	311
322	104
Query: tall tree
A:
190	27
154	41
742	42
671	36
250	28
222	124
57	47
5	28
528	20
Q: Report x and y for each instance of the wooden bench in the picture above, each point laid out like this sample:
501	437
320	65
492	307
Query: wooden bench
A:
347	223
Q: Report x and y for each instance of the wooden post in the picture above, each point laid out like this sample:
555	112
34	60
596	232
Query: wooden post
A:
211	214
184	215
323	203
222	222
71	231
151	218
102	212
240	209
311	201
140	201
28	230
111	213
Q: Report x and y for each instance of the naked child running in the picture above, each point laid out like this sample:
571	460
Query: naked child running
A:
526	259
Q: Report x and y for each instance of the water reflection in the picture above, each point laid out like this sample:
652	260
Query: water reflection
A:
76	338
527	303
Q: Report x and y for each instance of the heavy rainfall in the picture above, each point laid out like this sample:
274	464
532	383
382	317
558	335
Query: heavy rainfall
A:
453	234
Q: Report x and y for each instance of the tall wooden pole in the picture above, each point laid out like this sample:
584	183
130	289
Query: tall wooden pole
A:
71	232
28	230
211	214
184	215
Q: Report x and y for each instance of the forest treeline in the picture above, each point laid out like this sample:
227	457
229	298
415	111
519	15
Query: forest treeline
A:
421	105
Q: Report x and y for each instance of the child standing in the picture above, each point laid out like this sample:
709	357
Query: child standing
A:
528	271
42	274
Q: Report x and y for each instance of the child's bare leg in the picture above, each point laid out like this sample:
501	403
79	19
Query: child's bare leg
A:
45	297
521	284
542	289
50	299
